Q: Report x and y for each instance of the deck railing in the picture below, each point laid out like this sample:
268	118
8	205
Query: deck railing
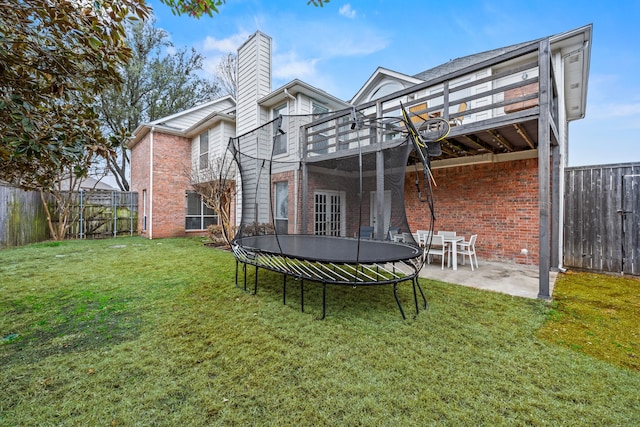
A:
499	90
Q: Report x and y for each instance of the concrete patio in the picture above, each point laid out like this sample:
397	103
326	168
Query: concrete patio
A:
512	279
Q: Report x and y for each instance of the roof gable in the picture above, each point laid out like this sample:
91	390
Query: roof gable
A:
295	87
186	119
382	81
185	123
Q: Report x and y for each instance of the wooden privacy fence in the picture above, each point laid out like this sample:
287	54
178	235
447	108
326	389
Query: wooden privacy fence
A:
95	214
602	218
22	217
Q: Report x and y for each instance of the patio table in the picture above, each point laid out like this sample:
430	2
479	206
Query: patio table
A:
453	241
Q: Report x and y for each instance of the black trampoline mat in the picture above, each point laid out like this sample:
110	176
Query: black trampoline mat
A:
330	249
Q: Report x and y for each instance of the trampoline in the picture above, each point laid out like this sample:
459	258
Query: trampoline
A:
326	249
303	214
331	260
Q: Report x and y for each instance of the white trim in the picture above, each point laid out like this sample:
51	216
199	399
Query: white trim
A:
150	228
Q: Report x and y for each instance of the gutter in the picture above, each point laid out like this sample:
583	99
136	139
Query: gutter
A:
286	92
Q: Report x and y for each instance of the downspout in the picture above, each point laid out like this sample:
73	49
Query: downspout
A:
295	171
286	92
151	183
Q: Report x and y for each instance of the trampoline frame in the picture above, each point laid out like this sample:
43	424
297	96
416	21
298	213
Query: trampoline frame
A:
365	273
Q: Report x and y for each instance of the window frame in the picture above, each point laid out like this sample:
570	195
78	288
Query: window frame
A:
280	142
203	157
281	222
205	216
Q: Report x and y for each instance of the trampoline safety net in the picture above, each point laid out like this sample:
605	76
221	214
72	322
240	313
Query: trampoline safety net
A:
323	199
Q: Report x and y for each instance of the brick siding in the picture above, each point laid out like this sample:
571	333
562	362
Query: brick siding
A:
171	161
496	201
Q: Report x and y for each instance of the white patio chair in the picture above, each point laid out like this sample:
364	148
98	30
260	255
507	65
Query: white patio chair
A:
408	238
468	249
392	233
366	232
437	248
423	237
446	234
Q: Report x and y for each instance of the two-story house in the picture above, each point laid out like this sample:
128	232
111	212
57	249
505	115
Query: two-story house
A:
500	173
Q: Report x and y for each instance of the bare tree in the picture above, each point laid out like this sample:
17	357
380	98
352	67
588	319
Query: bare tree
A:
59	198
216	185
227	74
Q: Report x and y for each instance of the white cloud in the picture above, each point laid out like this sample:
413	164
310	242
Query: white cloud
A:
330	40
228	44
346	11
210	65
302	49
289	66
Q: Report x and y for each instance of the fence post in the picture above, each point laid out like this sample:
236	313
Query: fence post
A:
115	215
81	213
130	213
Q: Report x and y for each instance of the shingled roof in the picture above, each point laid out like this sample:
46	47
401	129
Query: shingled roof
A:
466	61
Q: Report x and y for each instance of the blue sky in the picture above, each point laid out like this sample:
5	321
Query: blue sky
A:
336	48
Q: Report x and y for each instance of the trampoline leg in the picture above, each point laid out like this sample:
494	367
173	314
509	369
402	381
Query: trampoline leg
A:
255	285
395	294
239	287
244	271
302	295
324	301
415	294
284	289
422	293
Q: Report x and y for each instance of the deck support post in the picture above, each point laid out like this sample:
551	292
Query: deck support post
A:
544	165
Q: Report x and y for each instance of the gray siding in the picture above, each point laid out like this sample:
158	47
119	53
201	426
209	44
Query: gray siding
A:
254	82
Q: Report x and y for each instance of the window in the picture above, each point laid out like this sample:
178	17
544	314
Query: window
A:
322	144
199	216
328	217
204	150
386	88
282	207
279	139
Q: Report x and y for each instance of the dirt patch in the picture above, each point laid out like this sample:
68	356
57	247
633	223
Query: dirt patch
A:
78	326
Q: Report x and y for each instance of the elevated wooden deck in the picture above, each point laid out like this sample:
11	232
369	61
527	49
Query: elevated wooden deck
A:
493	108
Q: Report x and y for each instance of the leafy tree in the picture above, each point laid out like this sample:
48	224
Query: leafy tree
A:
154	84
198	8
55	57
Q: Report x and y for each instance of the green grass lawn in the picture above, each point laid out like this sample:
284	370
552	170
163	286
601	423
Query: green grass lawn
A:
154	333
